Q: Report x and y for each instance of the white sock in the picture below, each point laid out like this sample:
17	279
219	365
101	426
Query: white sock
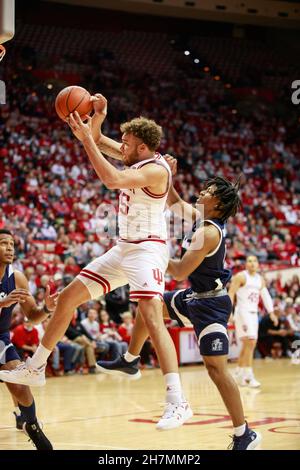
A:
129	357
17	411
40	357
173	384
248	372
240	430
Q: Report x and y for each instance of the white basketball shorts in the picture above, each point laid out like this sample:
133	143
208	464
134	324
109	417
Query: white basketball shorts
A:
246	324
142	265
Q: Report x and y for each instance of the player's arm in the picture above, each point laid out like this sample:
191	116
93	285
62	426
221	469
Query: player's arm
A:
204	241
107	173
110	147
29	307
268	302
177	205
237	281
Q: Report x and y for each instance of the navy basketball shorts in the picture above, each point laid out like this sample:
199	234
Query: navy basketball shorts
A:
7	350
208	316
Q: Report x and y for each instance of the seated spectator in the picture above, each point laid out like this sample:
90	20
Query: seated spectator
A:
125	331
274	339
110	333
25	338
294	321
91	328
89	345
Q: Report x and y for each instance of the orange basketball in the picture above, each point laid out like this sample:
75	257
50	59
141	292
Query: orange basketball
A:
71	99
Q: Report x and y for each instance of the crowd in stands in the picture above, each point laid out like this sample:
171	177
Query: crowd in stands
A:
62	215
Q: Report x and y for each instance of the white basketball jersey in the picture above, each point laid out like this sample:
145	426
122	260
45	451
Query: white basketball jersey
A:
141	212
248	295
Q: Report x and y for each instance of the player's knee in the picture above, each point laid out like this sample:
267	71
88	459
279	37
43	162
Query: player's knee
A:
151	313
215	371
66	300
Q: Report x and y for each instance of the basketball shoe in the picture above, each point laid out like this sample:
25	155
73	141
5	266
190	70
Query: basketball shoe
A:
36	435
120	367
24	374
174	415
248	441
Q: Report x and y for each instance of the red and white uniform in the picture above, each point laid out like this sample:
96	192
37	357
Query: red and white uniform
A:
246	310
141	255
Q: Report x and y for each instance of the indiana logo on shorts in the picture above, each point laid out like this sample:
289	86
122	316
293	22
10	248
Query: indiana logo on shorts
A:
217	345
158	276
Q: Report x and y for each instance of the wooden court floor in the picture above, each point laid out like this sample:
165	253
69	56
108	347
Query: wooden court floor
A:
105	413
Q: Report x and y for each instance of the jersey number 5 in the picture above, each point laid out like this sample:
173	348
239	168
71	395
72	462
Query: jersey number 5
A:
124	206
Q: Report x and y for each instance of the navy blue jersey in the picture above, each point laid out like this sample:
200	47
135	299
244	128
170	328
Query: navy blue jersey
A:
7	284
210	274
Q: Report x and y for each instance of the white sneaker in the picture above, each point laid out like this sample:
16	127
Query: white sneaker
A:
252	382
175	414
24	374
241	381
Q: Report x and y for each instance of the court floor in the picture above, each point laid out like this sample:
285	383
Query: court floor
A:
105	413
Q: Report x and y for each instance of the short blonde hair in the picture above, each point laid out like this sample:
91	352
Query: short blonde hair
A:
145	129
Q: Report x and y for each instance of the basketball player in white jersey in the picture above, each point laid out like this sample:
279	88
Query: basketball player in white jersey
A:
246	288
140	257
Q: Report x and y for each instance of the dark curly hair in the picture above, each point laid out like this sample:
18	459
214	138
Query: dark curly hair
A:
227	194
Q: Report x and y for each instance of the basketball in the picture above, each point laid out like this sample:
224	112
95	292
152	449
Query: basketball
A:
71	99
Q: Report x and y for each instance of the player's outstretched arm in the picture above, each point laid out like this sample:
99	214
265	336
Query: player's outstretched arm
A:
110	147
28	305
177	205
204	241
107	173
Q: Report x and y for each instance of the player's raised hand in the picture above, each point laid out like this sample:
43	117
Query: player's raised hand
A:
16	296
100	105
80	129
50	300
172	162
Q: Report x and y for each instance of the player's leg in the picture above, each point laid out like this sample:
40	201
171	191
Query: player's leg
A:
209	317
25	402
177	410
244	438
247	331
17	413
247	374
89	284
128	364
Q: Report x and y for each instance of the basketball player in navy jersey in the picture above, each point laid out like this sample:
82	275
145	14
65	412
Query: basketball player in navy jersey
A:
206	304
14	289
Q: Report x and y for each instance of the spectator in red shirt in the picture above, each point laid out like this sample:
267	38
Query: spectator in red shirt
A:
25	338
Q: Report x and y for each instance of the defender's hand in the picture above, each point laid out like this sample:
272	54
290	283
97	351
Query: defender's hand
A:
172	162
100	105
50	300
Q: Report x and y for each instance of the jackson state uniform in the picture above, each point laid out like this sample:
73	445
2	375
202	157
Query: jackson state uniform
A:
206	303
7	350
